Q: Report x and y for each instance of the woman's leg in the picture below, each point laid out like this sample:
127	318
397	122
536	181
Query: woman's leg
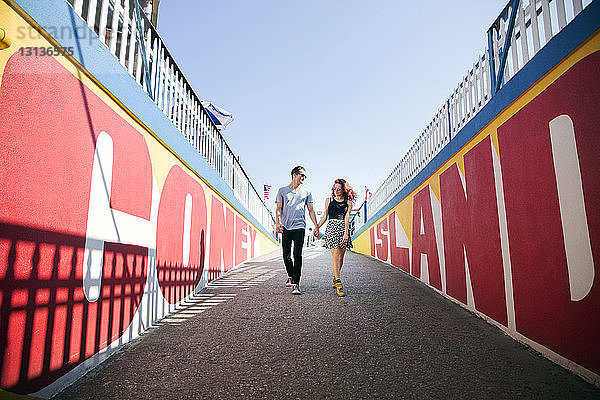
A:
339	255
341	259
333	260
335	253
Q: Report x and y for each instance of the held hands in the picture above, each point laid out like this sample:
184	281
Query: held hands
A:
316	232
279	228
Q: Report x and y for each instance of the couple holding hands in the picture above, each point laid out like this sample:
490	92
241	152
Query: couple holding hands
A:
291	201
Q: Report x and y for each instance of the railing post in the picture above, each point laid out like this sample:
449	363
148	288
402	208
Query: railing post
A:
491	62
449	122
365	204
221	160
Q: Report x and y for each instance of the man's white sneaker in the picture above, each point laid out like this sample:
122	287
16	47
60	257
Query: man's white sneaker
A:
296	289
288	283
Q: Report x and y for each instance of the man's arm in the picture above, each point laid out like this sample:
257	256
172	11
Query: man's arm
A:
313	217
278	210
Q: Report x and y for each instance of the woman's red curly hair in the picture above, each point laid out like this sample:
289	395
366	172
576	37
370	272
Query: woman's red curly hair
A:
347	191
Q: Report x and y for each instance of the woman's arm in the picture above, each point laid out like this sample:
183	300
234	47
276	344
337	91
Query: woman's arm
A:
347	221
324	218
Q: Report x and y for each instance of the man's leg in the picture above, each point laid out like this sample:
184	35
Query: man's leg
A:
298	238
286	246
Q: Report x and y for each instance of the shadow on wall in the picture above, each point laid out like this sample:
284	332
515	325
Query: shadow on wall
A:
47	326
178	281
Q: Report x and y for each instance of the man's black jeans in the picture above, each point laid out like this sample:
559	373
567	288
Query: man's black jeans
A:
293	267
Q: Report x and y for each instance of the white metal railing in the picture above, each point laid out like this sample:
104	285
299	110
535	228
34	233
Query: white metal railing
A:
116	24
536	22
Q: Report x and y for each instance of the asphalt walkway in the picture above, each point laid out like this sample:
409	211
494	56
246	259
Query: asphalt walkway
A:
247	336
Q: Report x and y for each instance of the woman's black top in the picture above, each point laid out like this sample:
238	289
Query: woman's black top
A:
337	209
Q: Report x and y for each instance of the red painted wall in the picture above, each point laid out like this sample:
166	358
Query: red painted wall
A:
543	307
63	149
511	192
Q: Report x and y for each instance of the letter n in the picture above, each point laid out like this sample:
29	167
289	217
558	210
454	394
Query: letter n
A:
470	222
221	238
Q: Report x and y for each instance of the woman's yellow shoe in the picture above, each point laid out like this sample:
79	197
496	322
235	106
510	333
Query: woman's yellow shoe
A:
339	288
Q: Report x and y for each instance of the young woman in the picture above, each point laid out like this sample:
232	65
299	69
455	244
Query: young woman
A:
337	235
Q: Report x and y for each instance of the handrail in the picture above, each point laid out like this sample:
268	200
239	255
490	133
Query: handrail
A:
475	89
359	218
116	24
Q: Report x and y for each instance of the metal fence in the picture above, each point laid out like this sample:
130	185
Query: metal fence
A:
131	38
528	25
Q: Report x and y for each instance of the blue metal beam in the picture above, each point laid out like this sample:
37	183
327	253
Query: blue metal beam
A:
140	33
507	43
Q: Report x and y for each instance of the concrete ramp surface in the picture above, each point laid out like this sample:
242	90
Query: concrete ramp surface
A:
247	336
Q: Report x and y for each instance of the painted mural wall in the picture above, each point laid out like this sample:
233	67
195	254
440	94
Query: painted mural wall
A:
509	226
103	229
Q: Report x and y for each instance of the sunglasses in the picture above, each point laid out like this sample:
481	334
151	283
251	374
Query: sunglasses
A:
302	175
336	189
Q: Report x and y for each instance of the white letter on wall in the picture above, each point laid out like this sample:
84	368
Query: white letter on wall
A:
572	207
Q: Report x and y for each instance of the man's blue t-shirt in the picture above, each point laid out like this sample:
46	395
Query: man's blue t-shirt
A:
293	203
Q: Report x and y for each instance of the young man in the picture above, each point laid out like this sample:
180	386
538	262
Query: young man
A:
290	222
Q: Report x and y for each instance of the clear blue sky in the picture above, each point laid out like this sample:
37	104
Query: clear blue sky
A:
340	87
